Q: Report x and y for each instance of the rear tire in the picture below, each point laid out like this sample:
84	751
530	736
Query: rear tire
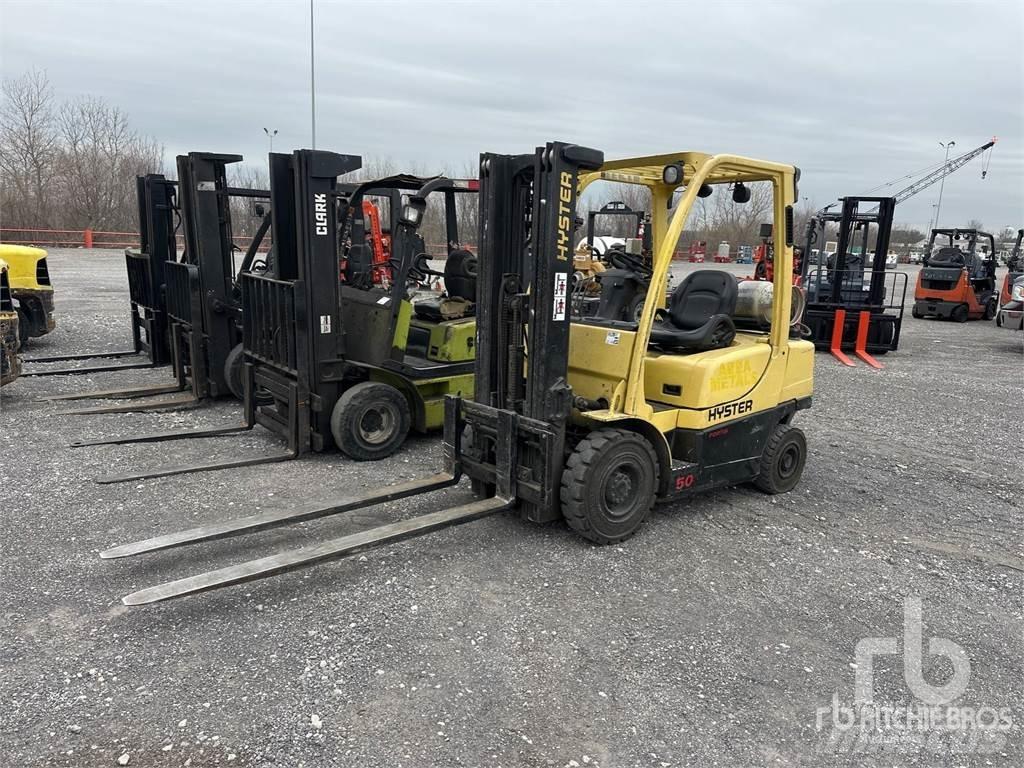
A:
782	463
234	364
959	314
370	421
915	313
991	308
609	485
24	327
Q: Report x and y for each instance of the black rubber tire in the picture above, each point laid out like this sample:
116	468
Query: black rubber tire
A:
991	309
959	314
915	314
234	364
782	462
635	308
370	421
24	327
616	462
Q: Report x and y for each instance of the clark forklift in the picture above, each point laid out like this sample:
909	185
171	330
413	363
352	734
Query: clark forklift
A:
332	357
958	278
590	420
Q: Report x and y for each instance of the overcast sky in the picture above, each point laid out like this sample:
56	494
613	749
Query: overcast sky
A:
855	93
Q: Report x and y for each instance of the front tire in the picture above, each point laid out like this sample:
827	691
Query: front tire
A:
609	485
233	365
370	421
782	463
959	314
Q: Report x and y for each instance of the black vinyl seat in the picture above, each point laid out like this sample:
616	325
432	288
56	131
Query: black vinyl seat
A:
699	315
459	283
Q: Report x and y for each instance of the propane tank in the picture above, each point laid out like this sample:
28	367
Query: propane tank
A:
754	303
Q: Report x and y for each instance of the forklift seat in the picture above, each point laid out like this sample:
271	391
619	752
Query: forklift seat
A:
700	313
459	284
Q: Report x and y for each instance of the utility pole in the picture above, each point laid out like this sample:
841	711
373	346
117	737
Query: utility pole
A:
942	185
312	78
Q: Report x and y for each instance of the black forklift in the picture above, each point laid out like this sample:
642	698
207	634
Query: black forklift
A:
592	451
853	303
146	280
201	297
332	357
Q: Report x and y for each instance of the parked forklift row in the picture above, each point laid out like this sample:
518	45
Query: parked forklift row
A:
329	339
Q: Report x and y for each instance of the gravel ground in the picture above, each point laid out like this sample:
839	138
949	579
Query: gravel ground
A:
711	639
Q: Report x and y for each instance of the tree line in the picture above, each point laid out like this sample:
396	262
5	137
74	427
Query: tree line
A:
68	164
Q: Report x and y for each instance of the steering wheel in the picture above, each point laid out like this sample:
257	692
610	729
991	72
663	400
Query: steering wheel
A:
619	259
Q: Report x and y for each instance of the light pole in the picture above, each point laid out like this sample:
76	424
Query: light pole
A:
942	184
312	79
270	136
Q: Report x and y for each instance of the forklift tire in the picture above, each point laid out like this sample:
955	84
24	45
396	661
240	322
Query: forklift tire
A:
233	365
991	308
916	314
370	421
609	485
635	308
24	327
959	314
782	462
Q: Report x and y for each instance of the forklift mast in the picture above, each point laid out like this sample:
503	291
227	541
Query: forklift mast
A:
527	219
211	312
146	267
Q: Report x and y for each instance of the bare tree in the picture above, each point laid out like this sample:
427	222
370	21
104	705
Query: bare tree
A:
28	150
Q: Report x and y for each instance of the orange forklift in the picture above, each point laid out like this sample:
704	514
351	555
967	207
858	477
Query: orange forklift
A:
958	279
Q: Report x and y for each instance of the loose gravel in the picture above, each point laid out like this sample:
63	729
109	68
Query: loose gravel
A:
710	639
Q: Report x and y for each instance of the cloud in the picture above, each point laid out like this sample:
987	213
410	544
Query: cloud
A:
854	95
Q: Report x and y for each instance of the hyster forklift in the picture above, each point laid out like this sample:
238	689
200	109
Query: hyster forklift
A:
958	278
590	420
31	289
201	312
10	363
853	303
333	358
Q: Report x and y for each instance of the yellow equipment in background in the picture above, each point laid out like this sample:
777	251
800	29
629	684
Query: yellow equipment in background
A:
10	363
30	288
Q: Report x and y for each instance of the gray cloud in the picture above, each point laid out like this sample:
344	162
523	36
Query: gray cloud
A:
854	93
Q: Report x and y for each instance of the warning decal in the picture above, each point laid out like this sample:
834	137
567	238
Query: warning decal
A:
558	305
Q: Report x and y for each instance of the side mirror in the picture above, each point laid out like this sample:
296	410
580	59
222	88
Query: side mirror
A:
412	213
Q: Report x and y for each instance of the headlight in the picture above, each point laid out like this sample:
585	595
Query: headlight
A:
1017	294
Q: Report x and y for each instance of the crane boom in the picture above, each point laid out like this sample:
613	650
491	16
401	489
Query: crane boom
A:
931	178
944	170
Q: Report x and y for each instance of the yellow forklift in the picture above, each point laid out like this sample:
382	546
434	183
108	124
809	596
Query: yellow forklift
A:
31	289
10	363
591	420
